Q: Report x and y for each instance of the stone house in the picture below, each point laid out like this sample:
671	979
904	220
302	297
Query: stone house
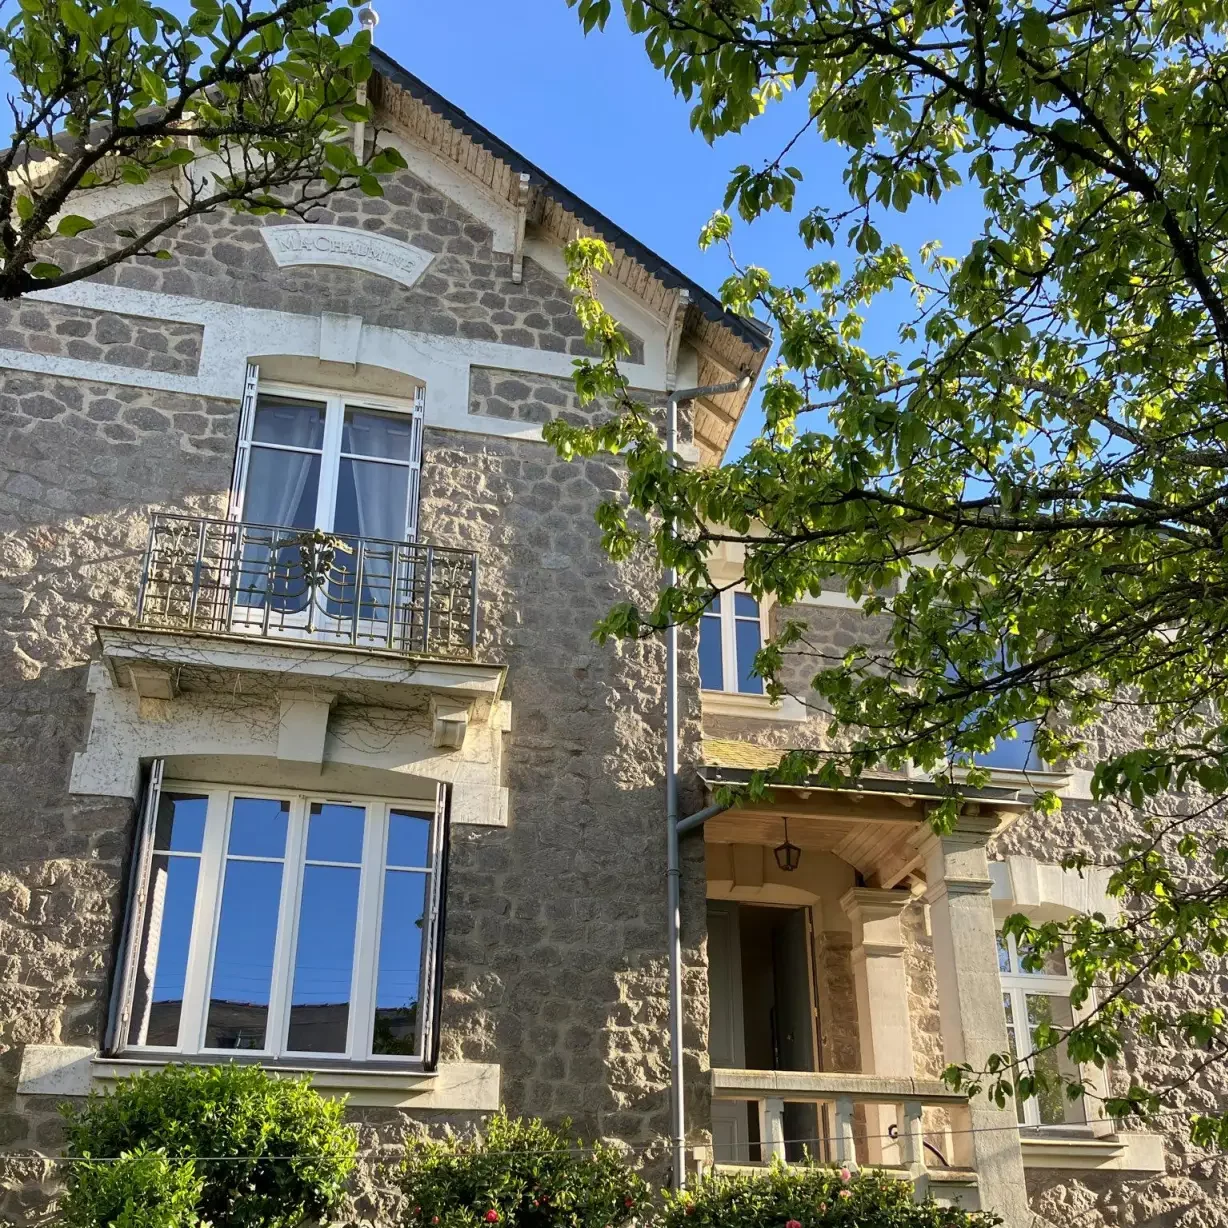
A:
308	758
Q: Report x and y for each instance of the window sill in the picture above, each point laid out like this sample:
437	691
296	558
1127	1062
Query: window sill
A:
65	1070
752	707
1139	1153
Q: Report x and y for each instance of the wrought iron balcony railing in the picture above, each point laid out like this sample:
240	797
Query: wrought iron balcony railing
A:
260	580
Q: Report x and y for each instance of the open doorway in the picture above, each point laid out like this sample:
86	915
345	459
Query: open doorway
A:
763	1017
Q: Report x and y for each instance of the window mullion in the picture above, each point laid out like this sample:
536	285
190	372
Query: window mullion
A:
729	641
204	923
366	935
287	928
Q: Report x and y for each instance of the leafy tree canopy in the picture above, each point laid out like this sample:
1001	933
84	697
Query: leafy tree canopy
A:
237	104
1029	490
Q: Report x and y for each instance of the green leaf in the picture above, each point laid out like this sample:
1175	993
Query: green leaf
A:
72	225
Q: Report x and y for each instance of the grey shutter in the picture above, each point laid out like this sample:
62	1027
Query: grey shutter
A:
119	1014
432	986
247	414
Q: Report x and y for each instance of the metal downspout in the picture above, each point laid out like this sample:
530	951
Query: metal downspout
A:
673	873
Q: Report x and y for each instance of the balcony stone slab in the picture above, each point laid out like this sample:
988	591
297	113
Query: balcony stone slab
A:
231	709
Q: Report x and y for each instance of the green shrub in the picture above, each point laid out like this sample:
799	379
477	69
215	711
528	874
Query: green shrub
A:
142	1189
520	1173
230	1145
810	1196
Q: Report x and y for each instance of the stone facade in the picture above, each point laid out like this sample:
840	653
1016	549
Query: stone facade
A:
554	964
555	956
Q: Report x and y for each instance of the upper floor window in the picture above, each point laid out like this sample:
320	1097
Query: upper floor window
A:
344	464
1032	999
730	633
283	924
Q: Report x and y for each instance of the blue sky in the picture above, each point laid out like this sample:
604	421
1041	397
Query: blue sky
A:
595	114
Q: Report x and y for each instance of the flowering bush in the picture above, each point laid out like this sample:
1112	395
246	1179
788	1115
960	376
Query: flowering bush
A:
520	1173
810	1196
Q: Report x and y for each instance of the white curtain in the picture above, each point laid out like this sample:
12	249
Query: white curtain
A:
276	484
379	494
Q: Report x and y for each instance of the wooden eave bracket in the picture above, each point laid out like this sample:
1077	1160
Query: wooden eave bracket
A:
673	338
522	218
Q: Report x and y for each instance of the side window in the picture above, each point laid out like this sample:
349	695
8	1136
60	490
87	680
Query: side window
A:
730	634
284	925
1030	1000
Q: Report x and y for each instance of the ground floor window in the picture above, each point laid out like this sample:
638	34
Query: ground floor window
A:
283	924
1030	1000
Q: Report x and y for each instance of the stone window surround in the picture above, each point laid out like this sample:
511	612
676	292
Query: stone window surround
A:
213	861
1045	891
725	568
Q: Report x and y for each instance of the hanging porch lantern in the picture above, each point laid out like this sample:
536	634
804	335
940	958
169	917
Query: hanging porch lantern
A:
788	855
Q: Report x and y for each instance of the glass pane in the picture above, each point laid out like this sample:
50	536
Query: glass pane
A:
1013	754
409	839
370	433
1054	963
281	490
287	420
324	960
258	827
399	973
181	823
711	668
745	606
163	961
1004	955
747	637
372	499
243	958
1055	1108
334	832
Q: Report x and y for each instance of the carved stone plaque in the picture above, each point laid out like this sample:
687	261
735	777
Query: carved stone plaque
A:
344	247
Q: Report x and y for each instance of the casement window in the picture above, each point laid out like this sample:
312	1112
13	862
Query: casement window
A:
730	633
338	462
1032	999
284	925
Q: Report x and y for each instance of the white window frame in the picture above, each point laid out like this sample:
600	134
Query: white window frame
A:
1017	985
729	640
193	1020
336	403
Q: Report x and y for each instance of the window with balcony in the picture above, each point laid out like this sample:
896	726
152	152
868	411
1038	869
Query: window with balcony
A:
283	925
1030	1000
321	537
730	633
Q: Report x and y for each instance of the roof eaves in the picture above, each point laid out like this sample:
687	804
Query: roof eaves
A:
752	332
714	774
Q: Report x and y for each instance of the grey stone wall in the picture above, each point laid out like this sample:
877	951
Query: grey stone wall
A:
101	336
466	291
80	466
522	396
555	950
